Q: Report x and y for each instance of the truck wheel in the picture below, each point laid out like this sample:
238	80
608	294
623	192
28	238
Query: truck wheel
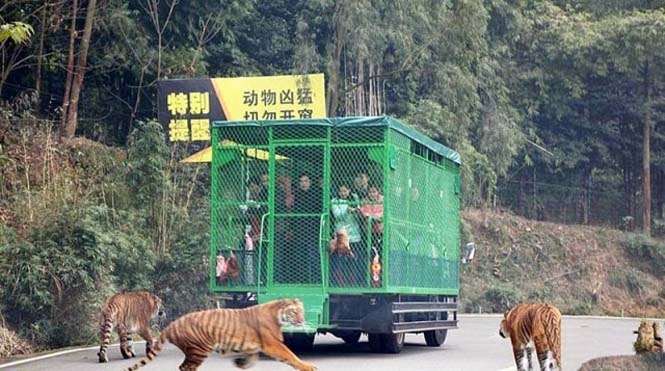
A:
435	338
375	344
301	342
352	337
393	343
386	343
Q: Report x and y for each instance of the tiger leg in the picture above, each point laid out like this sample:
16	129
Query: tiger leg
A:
122	334
130	345
282	353
246	360
193	359
105	339
529	357
545	358
146	334
520	356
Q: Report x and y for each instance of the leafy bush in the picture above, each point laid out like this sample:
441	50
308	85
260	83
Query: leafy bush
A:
103	224
181	276
55	280
634	282
146	164
132	257
649	251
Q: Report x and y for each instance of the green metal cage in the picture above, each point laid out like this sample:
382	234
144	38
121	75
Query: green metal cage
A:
282	190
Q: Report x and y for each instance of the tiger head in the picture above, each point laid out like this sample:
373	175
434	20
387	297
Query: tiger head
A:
504	328
158	309
291	312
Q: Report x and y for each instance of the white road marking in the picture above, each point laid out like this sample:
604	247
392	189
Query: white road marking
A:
63	352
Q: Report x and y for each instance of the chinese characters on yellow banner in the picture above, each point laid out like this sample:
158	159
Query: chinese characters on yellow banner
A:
188	108
274	108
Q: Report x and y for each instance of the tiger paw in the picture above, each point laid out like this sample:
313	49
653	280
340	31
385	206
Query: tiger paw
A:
308	367
103	358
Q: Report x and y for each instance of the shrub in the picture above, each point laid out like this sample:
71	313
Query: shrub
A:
634	283
649	251
56	278
181	276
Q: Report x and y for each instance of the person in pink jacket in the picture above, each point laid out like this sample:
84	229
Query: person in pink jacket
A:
373	207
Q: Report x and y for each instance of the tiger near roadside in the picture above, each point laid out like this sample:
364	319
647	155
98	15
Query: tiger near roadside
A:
129	313
532	325
649	338
245	332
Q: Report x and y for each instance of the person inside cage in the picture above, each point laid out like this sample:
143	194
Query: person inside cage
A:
265	183
372	208
284	198
308	200
253	208
361	185
284	244
347	267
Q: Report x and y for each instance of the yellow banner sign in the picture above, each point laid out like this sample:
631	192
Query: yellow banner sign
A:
187	108
272	98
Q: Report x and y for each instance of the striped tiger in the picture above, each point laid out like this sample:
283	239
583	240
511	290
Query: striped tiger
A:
534	324
246	331
128	312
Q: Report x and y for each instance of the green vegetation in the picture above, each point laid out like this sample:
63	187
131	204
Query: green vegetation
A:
555	106
84	227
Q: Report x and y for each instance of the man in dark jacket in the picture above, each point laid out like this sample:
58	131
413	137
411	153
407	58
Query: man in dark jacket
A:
308	200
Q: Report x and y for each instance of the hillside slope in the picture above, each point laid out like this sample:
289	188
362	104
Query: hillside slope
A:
582	270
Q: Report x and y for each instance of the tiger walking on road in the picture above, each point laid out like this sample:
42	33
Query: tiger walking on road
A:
534	325
128	312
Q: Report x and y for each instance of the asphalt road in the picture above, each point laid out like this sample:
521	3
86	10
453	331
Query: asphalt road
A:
476	345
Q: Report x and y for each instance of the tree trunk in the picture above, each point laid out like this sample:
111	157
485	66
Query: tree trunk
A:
336	59
40	54
70	68
646	153
72	116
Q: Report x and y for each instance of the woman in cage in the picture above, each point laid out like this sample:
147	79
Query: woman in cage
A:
347	266
372	208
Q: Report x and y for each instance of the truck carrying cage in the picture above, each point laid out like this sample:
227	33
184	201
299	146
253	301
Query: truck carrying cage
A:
286	192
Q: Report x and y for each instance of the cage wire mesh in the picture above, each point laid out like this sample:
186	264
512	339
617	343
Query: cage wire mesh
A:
384	194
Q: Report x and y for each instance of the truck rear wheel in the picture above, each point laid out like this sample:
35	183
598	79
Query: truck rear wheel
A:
435	338
386	343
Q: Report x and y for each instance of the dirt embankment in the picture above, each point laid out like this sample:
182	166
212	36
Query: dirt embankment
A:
649	362
581	270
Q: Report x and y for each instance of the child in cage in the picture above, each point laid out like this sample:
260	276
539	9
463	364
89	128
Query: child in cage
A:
347	262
